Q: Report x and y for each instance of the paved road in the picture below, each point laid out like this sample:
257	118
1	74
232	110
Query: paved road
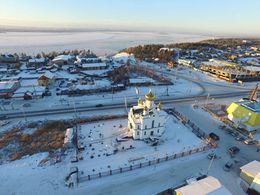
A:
66	110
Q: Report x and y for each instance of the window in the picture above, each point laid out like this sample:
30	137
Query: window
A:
159	124
138	127
158	131
137	132
144	132
145	127
153	124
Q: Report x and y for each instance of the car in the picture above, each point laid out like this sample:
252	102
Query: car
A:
239	138
233	150
99	105
228	166
222	126
248	142
26	105
234	134
212	156
3	117
214	136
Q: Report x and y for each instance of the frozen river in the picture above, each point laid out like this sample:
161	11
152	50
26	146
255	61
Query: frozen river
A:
101	42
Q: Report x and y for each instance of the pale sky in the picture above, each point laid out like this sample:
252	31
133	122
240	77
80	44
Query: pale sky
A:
235	17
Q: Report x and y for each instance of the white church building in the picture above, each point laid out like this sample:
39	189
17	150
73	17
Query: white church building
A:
146	120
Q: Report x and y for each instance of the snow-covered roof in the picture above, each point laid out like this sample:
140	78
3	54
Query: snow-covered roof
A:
209	186
97	85
37	60
3	69
252	168
141	80
93	65
218	63
167	49
7	84
69	135
29	82
36	90
86	60
62	57
252	68
250	60
123	57
95	72
48	74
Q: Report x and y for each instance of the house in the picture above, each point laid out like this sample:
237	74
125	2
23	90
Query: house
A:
250	174
9	58
63	59
83	60
7	88
206	186
29	92
10	61
146	120
249	171
186	62
141	81
93	66
47	79
245	114
123	58
37	62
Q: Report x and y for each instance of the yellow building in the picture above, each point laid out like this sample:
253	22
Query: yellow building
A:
245	114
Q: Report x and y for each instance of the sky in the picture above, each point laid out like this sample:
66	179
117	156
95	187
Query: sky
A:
231	17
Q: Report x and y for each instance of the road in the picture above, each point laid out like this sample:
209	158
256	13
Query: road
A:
216	91
166	100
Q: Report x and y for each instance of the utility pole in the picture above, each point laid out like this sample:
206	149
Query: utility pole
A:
206	104
125	104
210	164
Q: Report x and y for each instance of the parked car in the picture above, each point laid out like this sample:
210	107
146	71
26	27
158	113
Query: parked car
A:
248	142
239	138
222	126
99	105
234	134
233	150
228	166
214	136
3	117
212	156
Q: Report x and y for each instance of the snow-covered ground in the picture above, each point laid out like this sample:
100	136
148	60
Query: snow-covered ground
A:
24	176
100	42
102	137
179	89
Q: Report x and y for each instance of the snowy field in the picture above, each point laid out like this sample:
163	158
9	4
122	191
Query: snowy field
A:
99	42
24	176
100	140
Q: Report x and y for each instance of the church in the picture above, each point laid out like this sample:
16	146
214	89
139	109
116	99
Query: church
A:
145	120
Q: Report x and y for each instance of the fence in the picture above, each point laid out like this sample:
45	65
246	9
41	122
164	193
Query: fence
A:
195	129
142	165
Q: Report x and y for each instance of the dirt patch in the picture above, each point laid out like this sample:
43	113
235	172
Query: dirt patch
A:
49	137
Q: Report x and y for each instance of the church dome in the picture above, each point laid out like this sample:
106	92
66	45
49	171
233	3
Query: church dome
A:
140	102
150	96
